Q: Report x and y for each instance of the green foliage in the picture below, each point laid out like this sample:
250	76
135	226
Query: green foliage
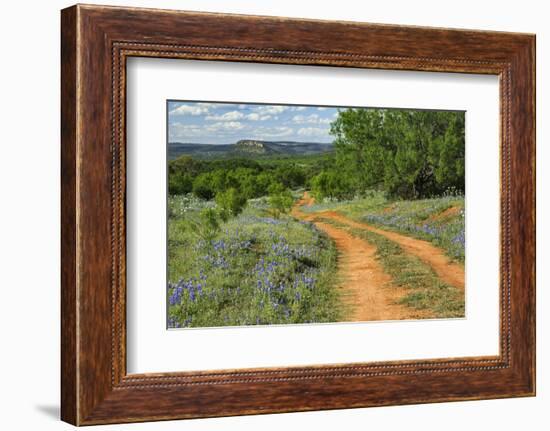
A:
203	186
230	203
332	184
181	174
256	186
206	178
408	153
186	164
251	182
180	184
208	225
290	175
280	199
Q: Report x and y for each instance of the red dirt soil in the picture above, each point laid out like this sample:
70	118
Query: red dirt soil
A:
365	288
449	212
450	272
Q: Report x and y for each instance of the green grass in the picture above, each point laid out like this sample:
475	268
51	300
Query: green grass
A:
427	291
422	219
255	271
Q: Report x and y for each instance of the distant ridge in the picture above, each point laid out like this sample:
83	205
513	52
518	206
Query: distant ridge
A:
247	147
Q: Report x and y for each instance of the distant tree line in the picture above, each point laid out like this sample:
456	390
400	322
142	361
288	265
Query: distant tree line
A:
231	182
206	178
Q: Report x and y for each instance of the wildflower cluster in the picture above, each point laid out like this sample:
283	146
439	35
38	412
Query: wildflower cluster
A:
258	270
181	205
423	222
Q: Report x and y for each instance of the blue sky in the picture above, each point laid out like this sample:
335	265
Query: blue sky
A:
226	123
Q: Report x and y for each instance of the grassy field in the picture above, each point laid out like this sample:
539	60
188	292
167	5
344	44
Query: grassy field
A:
439	220
253	270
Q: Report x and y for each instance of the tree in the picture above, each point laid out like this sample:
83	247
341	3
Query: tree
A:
447	154
188	165
230	203
332	184
179	183
290	175
359	144
407	153
280	199
218	180
203	187
181	173
209	225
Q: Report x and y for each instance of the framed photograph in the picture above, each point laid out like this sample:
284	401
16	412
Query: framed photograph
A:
264	214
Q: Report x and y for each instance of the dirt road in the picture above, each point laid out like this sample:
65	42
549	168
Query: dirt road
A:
366	289
450	272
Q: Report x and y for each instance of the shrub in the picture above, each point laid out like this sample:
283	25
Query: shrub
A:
280	199
203	188
334	185
230	203
179	183
209	225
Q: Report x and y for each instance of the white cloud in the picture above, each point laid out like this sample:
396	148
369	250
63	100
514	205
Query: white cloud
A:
322	109
298	108
270	109
272	132
301	119
229	125
233	125
212	105
228	116
254	116
237	115
183	132
312	131
310	119
211	133
189	110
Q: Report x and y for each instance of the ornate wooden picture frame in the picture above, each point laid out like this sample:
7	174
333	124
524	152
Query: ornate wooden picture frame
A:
96	41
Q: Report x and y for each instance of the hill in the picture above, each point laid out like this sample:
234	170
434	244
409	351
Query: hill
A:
247	148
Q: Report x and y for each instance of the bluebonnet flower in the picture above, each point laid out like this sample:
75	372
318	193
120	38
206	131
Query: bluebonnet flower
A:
174	323
460	239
